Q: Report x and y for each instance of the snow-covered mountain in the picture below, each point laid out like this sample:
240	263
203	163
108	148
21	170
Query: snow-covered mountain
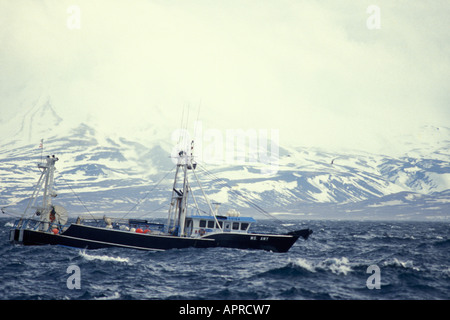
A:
100	172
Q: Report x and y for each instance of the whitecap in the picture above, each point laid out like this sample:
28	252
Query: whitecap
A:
114	296
305	264
92	257
364	236
9	224
335	265
404	264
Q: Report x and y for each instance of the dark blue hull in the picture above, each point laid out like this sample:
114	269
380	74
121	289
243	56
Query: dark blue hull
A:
82	236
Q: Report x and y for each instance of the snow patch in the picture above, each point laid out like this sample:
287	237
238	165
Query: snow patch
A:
386	203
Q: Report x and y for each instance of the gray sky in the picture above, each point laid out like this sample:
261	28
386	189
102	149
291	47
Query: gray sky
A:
311	69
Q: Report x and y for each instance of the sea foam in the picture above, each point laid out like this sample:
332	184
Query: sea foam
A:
92	257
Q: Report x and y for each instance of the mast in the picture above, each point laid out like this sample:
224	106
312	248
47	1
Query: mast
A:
181	187
173	203
178	204
46	181
183	205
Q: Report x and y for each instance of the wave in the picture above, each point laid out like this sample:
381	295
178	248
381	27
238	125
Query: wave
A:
287	224
305	264
364	236
114	296
335	265
92	257
408	264
442	243
446	272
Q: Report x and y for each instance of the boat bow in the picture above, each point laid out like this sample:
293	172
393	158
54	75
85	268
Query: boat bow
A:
304	233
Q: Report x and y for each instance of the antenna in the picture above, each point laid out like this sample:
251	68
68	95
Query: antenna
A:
181	125
41	146
198	116
183	142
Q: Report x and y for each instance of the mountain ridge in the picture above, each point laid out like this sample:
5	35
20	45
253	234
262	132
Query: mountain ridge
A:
114	172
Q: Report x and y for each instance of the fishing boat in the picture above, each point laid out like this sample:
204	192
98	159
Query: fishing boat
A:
47	223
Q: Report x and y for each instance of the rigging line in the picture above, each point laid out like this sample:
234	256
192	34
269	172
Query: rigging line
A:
181	125
148	193
153	211
35	194
12	213
38	220
76	195
237	193
240	194
199	107
185	129
196	122
187	116
207	199
251	203
194	198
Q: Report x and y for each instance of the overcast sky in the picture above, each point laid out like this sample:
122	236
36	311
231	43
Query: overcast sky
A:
311	69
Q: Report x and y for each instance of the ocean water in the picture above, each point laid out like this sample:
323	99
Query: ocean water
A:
411	261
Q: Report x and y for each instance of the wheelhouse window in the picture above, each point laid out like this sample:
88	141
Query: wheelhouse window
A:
226	225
